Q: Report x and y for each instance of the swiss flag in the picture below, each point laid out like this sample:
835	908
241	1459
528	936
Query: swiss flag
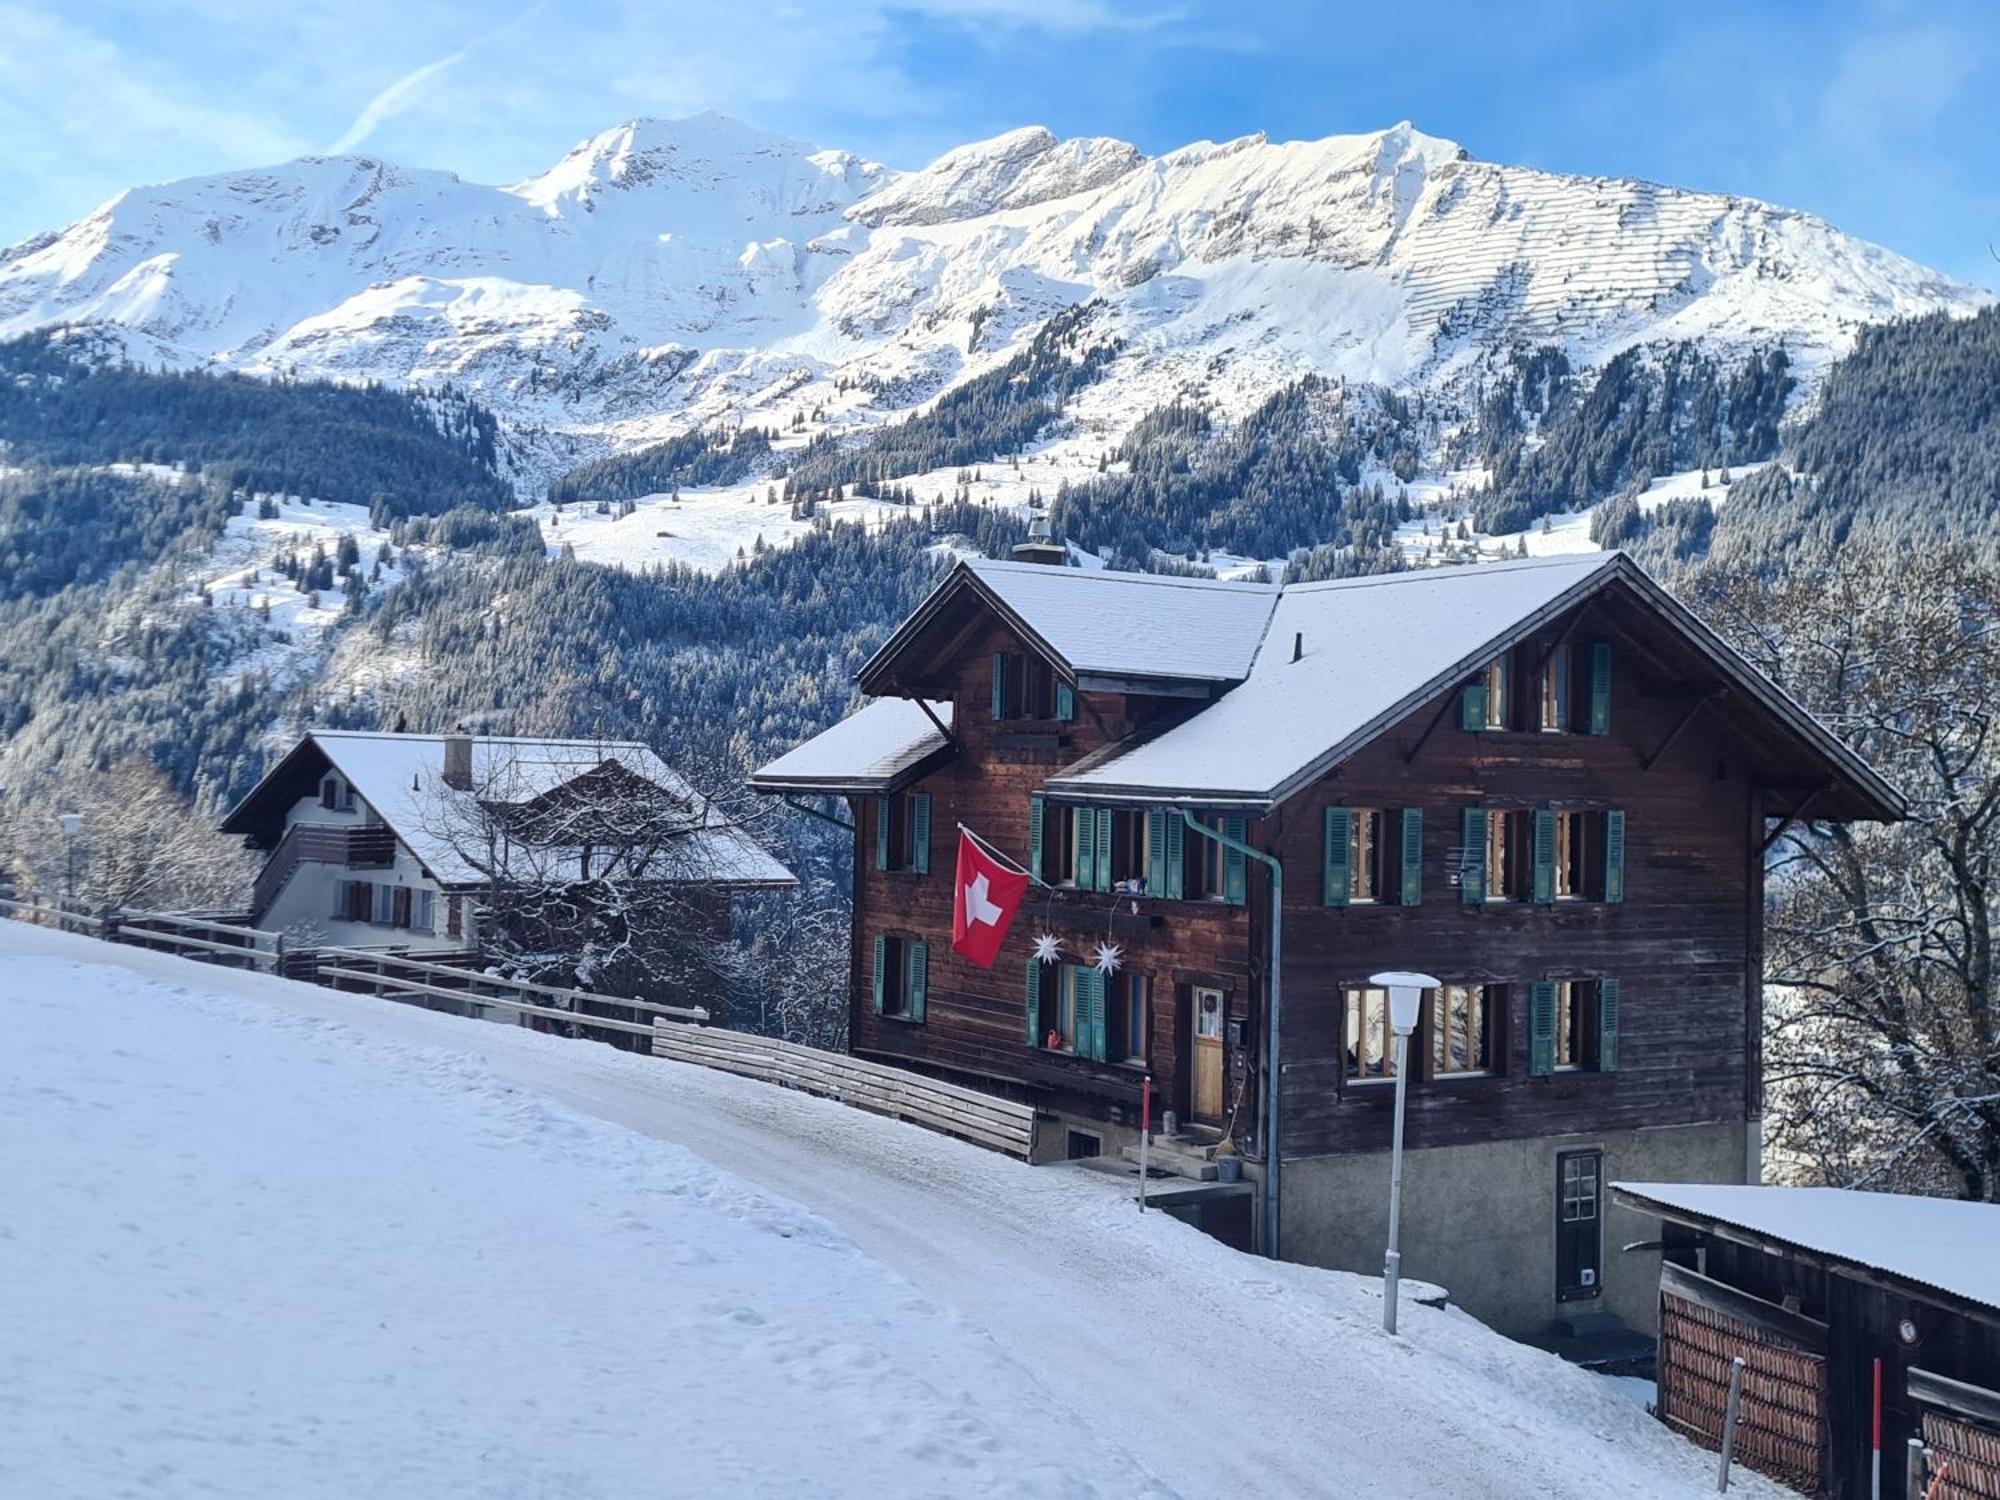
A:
984	899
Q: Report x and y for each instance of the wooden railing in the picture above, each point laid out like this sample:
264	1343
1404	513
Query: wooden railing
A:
367	847
195	936
984	1119
399	976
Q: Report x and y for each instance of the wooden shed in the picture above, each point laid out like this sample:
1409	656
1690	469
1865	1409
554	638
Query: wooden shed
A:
1855	1314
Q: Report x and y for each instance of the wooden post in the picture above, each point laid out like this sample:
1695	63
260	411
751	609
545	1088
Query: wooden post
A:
1729	1423
1145	1133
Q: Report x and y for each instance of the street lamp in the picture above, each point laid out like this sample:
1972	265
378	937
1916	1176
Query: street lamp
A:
1406	998
72	824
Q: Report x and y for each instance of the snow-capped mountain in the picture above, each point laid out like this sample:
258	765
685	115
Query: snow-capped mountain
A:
667	273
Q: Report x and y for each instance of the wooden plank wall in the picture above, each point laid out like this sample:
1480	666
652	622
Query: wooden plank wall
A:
975	1025
1680	943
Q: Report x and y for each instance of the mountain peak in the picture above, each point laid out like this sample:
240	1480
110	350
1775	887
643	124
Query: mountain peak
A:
704	152
1016	169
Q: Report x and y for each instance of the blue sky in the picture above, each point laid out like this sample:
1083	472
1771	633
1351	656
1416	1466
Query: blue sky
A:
1881	115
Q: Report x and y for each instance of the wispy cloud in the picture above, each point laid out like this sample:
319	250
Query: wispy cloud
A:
409	89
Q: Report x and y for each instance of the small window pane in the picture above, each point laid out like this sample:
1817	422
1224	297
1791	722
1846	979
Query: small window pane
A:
1371	1044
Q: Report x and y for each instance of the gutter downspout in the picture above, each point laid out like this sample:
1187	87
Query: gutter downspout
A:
1271	1168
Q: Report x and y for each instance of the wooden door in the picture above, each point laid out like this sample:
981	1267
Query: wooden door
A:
1579	1216
1205	1102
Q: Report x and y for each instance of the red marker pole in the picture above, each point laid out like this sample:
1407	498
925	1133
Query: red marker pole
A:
1145	1132
1875	1440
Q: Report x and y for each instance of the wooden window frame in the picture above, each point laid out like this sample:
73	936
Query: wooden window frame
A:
1492	1001
1497	677
1555	692
1504	827
1130	982
1367	856
894	994
1354	1031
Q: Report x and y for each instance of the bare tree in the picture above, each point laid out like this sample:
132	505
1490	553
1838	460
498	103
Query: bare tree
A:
140	845
793	983
607	881
1881	1052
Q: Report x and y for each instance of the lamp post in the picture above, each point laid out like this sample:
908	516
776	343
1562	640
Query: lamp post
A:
72	824
1406	997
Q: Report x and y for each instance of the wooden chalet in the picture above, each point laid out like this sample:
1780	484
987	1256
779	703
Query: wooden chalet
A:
1545	782
1842	1305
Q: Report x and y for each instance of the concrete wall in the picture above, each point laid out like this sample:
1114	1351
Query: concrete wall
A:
1479	1220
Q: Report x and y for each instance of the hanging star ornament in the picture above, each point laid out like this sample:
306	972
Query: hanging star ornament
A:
1048	949
1109	957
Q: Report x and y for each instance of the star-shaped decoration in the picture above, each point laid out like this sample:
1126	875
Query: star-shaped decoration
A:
1109	958
1048	949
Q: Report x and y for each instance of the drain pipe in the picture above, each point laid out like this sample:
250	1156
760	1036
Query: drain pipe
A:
1271	1053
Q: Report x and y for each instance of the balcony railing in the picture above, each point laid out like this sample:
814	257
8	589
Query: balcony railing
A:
371	848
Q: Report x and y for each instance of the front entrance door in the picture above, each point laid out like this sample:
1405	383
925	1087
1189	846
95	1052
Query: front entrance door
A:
1206	1101
1579	1222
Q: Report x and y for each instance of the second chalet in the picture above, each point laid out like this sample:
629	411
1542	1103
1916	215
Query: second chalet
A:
1545	782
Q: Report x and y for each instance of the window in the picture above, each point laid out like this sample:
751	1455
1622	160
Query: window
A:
1576	1010
1462	1029
1073	1008
1571	855
902	976
1131	850
903	833
1552	692
454	916
1502	856
1371	1044
1498	682
357	901
329	792
1584	857
385	905
1026	687
1211	871
1129	995
1573	1026
399	906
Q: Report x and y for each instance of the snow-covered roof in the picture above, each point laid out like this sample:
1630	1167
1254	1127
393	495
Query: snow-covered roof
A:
1945	1243
1097	622
1372	648
872	749
401	776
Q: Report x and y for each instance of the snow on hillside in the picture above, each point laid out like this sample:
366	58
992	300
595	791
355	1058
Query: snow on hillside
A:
261	1238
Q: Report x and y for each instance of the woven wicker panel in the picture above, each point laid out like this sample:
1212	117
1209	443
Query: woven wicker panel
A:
1781	1420
1967	1456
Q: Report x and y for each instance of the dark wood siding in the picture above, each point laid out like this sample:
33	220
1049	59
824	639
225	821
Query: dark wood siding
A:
975	1021
1680	943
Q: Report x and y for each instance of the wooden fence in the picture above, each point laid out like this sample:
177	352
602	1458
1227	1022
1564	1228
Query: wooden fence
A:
670	1031
1001	1124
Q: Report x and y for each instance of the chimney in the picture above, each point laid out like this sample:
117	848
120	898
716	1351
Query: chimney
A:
458	761
1040	547
1298	644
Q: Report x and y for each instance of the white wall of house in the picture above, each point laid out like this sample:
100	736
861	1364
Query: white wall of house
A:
314	900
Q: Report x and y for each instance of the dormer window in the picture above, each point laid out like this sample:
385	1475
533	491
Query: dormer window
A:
1026	687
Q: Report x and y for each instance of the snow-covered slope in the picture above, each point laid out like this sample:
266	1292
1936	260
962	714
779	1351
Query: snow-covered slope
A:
284	1241
667	273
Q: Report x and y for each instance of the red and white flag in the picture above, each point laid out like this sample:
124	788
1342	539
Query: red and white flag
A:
987	893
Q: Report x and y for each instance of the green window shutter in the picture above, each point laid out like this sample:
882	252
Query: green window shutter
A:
1472	707
1156	853
1235	867
1472	862
920	832
1335	877
1607	1025
1103	881
881	963
918	988
1614	856
1545	856
1090	1025
1083	839
1176	855
1034	1001
1413	856
1541	1029
1065	702
1035	809
1600	687
882	821
999	685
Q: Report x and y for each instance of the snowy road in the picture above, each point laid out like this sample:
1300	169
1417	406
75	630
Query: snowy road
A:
1115	1355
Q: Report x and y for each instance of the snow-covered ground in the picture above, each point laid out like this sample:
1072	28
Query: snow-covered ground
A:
262	1239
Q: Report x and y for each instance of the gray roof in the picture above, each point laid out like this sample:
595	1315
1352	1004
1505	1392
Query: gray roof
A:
1098	622
1946	1243
873	749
